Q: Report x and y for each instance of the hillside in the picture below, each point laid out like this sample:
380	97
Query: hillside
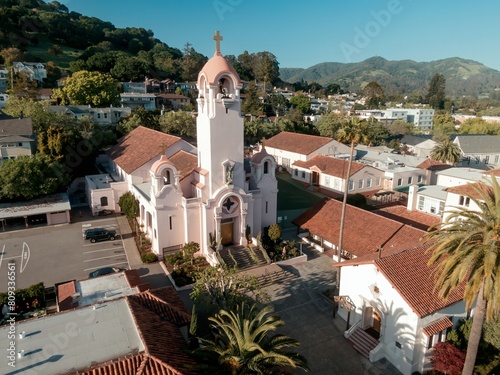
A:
463	77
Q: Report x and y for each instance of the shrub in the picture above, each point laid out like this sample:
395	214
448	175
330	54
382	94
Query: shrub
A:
129	205
448	359
149	258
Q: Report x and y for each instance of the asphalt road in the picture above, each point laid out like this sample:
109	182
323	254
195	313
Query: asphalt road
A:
54	254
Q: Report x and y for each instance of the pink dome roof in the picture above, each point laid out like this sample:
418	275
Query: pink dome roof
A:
159	163
217	65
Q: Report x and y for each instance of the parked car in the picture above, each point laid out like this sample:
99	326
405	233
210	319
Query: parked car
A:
99	234
104	271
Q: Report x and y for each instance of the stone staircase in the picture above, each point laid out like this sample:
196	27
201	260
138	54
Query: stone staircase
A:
362	342
274	276
241	257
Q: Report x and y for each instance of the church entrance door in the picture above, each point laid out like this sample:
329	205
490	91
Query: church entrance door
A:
226	232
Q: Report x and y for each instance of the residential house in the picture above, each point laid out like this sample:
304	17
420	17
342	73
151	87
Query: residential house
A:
479	151
397	175
430	168
138	100
3	80
458	176
101	116
418	145
287	148
365	232
36	71
172	101
3	100
16	137
393	310
329	174
202	194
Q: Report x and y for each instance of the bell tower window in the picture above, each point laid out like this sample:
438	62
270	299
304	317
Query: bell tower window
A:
166	177
266	167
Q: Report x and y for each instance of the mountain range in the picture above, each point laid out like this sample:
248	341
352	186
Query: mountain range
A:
463	77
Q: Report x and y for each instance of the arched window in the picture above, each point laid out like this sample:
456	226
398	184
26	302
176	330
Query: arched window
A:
266	167
104	201
166	177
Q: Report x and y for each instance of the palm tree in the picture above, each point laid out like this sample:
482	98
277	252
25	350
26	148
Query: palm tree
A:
466	249
352	132
242	344
446	152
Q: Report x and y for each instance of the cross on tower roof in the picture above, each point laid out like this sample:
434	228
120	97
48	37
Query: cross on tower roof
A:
163	147
217	37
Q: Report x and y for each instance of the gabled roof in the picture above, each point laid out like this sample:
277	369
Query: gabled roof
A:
438	326
479	144
331	166
414	140
304	144
433	165
138	147
184	162
468	189
16	126
408	273
364	231
417	219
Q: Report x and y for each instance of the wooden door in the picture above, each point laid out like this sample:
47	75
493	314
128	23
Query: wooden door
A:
226	232
315	178
377	321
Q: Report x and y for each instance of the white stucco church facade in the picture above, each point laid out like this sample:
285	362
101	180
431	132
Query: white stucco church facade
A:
207	194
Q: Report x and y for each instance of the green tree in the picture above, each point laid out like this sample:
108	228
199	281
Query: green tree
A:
139	117
89	88
243	344
28	177
443	123
479	126
400	127
55	49
446	152
55	141
274	232
328	125
436	95
376	133
302	103
353	131
24	86
252	104
374	95
129	205
466	251
179	123
36	110
225	287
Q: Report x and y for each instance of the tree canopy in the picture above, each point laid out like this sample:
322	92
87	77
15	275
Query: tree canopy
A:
436	93
89	88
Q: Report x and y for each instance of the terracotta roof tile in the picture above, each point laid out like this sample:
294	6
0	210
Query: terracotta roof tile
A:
138	147
409	274
417	219
184	162
294	142
433	165
64	295
331	166
436	327
364	231
467	189
493	172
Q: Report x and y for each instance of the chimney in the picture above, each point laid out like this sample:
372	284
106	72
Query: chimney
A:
412	197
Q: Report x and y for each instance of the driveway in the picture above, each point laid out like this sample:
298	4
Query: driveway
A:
54	254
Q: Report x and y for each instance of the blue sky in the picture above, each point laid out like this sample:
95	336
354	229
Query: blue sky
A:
304	33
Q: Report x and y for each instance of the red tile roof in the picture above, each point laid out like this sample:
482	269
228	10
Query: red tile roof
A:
409	274
364	231
64	295
493	172
436	327
467	189
331	166
185	163
417	219
299	143
433	165
138	147
158	314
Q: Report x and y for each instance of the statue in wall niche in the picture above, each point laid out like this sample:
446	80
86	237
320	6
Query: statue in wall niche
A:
229	173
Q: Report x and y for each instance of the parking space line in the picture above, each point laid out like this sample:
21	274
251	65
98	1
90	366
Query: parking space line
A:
111	256
97	243
107	265
97	251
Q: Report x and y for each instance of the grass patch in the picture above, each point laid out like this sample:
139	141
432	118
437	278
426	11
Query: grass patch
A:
291	196
62	60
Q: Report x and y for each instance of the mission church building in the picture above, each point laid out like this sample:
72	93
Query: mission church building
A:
202	194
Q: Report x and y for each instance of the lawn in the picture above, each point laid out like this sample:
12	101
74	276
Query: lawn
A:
62	60
292	196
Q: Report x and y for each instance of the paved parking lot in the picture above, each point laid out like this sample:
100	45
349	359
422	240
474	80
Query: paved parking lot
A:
54	254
